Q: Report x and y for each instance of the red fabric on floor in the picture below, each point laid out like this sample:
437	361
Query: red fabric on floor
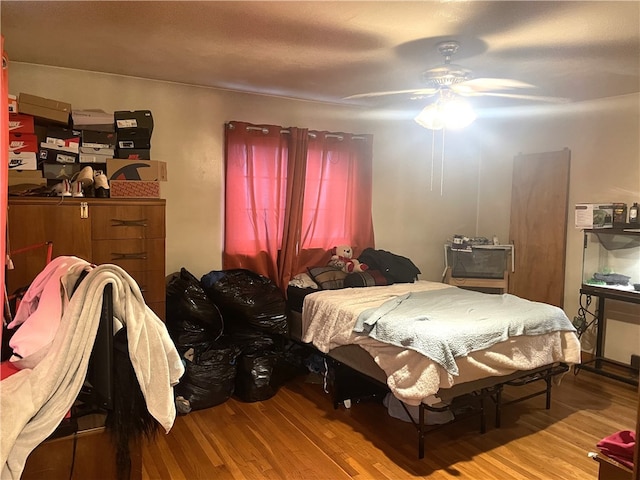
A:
619	446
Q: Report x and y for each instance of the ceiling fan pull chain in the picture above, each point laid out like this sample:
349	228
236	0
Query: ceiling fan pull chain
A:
442	165
433	154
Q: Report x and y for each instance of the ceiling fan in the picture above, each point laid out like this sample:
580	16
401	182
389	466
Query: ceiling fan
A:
450	80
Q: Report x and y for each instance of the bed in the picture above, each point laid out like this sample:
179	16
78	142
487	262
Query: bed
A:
335	323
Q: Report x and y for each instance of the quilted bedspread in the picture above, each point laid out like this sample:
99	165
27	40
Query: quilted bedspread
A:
331	315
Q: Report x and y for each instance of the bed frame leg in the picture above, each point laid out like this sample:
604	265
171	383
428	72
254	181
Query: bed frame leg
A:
421	432
483	419
548	381
498	406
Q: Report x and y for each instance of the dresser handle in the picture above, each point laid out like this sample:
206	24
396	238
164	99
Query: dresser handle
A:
129	256
116	222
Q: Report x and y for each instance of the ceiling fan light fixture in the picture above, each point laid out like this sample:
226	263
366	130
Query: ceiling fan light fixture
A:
430	117
449	113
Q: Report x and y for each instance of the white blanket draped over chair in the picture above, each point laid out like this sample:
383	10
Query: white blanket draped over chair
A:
34	400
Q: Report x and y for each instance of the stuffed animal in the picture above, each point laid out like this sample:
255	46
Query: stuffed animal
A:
341	259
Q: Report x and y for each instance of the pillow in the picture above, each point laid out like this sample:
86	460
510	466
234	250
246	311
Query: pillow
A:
368	278
303	280
328	278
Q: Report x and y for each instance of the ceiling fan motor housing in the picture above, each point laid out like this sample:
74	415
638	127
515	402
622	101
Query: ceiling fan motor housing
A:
446	75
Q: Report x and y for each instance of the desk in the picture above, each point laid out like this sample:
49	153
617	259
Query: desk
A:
609	469
602	294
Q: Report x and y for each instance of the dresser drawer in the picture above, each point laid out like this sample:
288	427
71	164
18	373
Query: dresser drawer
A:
151	283
159	308
129	221
132	254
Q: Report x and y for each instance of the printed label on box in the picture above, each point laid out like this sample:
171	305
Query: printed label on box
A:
13	104
23	161
21	123
152	170
25	142
53	156
128	123
593	215
134	189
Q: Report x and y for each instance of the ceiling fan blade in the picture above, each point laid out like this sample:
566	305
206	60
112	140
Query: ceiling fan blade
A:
487	84
537	98
415	91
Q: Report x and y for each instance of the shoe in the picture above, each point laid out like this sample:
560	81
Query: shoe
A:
62	189
84	176
76	189
101	185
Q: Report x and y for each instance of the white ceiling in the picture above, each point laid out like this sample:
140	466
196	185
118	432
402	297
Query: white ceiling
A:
328	50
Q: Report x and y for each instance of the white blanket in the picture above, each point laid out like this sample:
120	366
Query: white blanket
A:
34	401
330	316
450	323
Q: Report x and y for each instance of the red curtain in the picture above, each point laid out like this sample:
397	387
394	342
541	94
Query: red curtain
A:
4	169
292	195
289	260
337	198
255	195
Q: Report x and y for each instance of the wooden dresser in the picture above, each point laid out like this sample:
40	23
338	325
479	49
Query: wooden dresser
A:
128	233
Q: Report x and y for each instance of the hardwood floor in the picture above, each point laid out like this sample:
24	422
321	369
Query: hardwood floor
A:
298	435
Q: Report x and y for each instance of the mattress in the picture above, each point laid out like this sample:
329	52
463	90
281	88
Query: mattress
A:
328	319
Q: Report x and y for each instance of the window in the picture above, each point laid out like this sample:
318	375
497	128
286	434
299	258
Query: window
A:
292	195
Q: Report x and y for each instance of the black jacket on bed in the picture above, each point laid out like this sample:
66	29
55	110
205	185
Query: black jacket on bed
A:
395	268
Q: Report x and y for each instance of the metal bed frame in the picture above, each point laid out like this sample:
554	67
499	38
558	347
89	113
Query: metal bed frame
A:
471	394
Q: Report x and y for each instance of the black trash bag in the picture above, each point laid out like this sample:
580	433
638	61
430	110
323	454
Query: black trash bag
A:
247	299
187	334
191	317
256	364
210	375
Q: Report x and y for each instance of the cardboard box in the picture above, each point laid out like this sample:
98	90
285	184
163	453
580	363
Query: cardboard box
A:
133	140
13	104
23	142
134	189
23	161
51	155
21	123
134	129
152	170
59	171
63	139
134	154
594	215
95	155
23	151
45	109
137	120
93	119
26	177
94	139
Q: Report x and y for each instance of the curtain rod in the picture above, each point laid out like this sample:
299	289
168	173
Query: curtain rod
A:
312	135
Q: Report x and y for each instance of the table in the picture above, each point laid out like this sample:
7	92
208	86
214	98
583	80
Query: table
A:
599	361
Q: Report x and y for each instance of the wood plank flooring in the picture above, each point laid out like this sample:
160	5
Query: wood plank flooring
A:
297	434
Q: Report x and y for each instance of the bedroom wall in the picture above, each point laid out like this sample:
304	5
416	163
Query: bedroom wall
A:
605	167
409	219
